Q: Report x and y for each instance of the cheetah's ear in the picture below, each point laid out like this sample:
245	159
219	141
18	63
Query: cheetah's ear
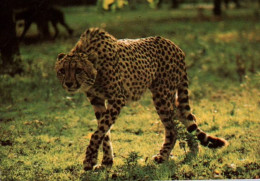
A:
61	55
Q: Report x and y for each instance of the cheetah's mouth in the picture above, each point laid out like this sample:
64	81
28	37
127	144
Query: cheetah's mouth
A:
73	90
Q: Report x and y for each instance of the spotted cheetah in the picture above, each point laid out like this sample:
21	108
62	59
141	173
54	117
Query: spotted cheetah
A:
120	71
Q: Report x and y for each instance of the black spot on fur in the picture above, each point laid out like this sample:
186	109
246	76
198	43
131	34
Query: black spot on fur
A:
190	117
187	107
202	136
170	137
183	100
96	102
114	113
107	162
95	137
158	104
106	138
215	142
185	84
163	102
118	102
102	129
166	120
185	92
111	102
192	128
98	115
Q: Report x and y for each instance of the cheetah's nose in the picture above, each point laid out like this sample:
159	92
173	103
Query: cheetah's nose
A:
68	84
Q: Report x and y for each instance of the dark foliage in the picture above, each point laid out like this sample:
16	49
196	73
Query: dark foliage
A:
217	8
9	48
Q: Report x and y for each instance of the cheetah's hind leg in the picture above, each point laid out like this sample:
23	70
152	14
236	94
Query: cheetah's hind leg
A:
165	109
184	136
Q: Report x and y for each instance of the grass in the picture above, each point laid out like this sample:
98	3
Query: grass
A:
44	131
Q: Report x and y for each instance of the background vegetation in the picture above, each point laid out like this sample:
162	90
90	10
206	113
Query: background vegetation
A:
44	131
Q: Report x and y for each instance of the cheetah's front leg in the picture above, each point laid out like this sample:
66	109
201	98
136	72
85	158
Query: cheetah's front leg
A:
100	109
107	120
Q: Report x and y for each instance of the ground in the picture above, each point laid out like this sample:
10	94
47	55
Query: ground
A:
44	131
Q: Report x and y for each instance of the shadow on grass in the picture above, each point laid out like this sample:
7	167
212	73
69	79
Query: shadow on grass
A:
136	172
36	39
132	170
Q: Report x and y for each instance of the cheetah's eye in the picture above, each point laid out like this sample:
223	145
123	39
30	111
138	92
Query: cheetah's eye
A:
78	70
62	71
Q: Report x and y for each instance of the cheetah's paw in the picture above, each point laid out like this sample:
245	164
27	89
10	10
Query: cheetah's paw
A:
159	158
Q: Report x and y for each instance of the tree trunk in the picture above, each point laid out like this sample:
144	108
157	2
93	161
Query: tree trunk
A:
237	3
217	8
159	4
9	47
226	4
175	4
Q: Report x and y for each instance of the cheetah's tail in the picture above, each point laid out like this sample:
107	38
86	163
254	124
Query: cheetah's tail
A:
189	120
207	140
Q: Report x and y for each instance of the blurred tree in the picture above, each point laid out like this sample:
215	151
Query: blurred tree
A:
154	4
9	47
226	4
159	4
237	3
175	3
132	4
241	68
217	7
109	5
89	2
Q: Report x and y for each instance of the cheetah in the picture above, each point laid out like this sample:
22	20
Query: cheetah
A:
113	72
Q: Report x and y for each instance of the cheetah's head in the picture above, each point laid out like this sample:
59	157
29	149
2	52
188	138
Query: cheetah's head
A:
76	71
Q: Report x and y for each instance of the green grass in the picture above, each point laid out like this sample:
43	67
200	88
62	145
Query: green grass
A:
44	131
